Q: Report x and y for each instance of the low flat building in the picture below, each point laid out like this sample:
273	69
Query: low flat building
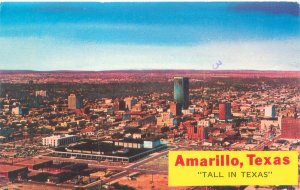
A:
13	173
35	164
130	143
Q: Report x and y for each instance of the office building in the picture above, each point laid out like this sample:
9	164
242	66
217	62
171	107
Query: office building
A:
75	102
225	111
59	140
119	105
175	108
129	102
165	120
197	132
181	91
270	111
16	110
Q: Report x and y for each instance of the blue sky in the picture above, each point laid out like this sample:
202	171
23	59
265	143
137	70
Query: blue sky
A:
116	36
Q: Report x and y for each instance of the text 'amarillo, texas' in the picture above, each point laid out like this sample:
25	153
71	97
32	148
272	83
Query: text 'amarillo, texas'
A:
232	168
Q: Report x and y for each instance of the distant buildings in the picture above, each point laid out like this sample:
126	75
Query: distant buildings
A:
181	91
270	111
59	140
165	120
119	105
75	102
19	110
266	124
41	93
129	102
16	110
225	111
290	128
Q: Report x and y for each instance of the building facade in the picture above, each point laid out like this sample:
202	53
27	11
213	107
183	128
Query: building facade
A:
270	111
59	140
175	108
181	91
197	132
75	102
290	128
225	111
129	102
42	93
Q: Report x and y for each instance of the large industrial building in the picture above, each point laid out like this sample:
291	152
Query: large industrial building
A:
126	150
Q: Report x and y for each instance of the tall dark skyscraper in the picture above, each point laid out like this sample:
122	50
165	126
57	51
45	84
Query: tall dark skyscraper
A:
181	91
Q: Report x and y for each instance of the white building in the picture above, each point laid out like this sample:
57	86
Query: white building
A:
59	140
151	143
137	135
16	111
270	111
42	93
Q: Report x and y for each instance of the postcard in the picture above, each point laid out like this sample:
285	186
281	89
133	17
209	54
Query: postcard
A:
149	95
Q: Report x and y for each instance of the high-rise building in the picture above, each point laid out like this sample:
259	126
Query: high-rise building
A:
290	128
270	111
175	108
119	105
181	91
197	132
74	102
129	102
225	111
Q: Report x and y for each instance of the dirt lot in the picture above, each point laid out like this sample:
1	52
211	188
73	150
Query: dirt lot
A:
144	181
31	186
159	164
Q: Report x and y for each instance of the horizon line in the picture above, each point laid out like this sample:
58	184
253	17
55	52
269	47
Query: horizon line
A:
71	70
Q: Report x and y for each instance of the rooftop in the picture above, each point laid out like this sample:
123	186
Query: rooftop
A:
10	168
32	162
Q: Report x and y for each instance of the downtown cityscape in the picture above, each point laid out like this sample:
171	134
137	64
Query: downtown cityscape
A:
99	95
71	136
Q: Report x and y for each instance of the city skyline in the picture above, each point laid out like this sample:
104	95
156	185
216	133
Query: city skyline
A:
115	95
147	36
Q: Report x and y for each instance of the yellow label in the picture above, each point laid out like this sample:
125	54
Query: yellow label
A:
213	168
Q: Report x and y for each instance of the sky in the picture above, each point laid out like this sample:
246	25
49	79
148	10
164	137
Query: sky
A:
134	36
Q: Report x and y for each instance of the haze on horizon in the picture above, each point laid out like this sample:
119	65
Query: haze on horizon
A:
161	36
